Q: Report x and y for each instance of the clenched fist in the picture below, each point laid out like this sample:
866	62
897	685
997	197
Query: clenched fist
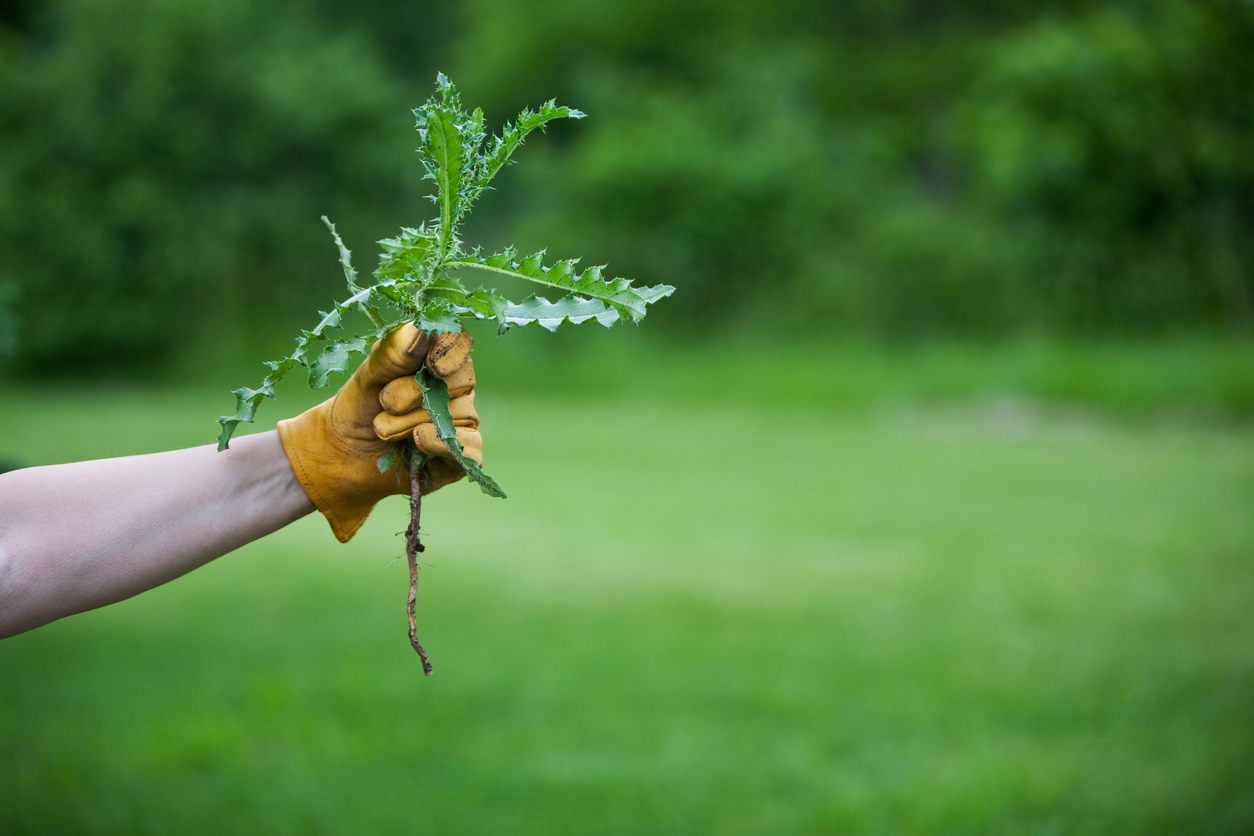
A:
334	448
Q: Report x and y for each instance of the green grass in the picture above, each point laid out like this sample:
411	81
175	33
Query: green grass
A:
1192	376
726	614
1198	377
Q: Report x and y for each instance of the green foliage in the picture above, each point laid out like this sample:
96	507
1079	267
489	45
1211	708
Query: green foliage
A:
1125	135
162	161
435	399
416	280
8	321
387	460
907	170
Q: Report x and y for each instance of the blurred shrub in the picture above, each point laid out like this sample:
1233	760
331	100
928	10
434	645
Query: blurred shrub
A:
885	169
165	165
894	168
8	320
1126	137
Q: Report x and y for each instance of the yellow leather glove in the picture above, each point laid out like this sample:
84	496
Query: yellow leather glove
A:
334	448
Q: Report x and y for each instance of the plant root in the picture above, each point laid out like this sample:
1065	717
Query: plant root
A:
412	549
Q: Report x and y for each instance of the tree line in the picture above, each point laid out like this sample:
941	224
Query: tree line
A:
889	168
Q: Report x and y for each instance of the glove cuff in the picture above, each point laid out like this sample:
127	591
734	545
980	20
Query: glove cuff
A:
342	480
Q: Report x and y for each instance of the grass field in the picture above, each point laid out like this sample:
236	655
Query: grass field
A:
695	615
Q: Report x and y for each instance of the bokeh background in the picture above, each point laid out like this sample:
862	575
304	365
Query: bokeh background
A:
925	505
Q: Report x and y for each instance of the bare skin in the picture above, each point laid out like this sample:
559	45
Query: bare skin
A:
78	536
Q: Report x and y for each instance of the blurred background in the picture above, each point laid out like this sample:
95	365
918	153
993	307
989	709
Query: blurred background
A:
924	504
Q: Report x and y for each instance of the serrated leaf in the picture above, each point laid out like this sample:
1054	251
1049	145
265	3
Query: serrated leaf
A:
435	399
438	316
630	302
413	282
335	359
246	403
550	315
346	257
513	135
481	303
439	128
445	281
407	256
350	275
387	461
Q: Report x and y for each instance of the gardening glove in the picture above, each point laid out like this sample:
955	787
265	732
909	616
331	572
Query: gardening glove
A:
449	359
334	448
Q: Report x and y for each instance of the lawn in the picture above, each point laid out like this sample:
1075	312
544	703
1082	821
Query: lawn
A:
971	616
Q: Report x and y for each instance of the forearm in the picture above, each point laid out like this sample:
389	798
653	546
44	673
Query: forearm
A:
78	536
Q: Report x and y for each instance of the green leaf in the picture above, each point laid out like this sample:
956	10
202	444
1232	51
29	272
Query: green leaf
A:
435	399
439	130
387	461
414	282
546	314
407	256
513	135
444	281
438	316
482	303
346	257
350	275
630	302
247	400
334	359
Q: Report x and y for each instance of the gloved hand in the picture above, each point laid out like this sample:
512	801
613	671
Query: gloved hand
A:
334	448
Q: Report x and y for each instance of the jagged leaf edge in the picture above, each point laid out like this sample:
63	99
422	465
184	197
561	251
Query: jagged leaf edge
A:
435	399
511	138
441	149
630	302
247	400
483	303
350	274
407	256
334	359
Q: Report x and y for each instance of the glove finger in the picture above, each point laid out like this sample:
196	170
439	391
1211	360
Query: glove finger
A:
448	351
398	354
405	395
462	379
429	442
463	411
440	472
401	395
391	427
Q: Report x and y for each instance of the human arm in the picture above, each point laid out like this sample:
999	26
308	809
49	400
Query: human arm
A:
78	536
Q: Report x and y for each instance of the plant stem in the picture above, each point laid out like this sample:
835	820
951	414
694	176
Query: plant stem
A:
412	548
